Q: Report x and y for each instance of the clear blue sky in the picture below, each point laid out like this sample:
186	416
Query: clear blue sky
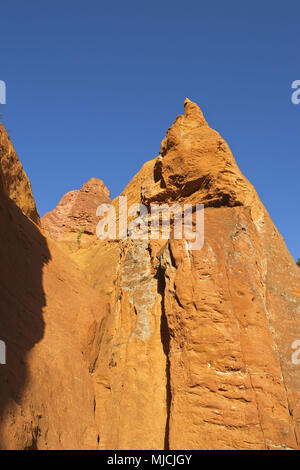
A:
92	87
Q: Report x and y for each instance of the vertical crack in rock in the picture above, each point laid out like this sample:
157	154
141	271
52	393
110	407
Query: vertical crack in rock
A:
165	339
166	262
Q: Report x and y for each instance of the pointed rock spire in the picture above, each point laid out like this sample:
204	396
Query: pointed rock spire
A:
192	112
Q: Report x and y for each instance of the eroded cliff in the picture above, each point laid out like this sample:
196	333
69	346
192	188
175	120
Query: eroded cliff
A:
48	315
168	347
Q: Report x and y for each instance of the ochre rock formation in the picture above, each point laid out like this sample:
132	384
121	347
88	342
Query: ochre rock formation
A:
167	347
77	210
48	319
15	182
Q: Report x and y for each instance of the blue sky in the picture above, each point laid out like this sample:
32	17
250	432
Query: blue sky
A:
92	87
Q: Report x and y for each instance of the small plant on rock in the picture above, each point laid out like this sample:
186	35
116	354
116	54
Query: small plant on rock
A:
81	231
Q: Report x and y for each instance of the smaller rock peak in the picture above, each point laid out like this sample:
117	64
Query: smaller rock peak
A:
94	184
192	112
77	210
187	101
189	121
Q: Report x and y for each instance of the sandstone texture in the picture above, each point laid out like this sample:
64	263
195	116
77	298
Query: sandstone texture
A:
148	344
77	210
48	315
15	182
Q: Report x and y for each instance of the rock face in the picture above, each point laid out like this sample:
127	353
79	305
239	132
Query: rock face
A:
77	210
168	347
15	182
48	315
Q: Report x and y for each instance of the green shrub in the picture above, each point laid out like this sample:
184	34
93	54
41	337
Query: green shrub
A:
81	231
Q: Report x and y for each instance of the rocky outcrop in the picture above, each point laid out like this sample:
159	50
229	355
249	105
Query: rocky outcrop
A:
199	339
166	346
77	210
48	318
15	182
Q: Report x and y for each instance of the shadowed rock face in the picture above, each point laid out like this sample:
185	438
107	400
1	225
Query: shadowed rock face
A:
48	316
194	347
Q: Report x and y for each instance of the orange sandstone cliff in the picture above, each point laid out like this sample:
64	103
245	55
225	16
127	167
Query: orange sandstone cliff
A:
136	344
15	183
